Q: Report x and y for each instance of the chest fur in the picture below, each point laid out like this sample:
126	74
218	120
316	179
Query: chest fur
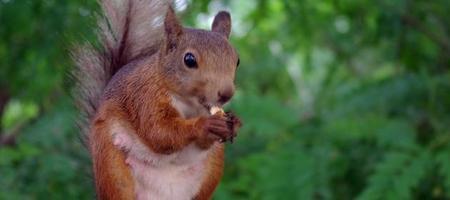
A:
175	176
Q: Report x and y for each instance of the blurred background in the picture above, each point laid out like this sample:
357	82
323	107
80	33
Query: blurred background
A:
340	99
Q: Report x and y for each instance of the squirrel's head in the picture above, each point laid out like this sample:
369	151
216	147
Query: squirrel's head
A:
199	65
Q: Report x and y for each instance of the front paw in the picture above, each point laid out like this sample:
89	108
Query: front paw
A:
222	127
234	123
217	128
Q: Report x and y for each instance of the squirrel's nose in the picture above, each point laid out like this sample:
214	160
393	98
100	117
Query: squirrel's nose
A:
225	95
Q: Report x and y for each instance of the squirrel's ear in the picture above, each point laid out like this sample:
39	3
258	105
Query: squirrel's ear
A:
222	23
172	28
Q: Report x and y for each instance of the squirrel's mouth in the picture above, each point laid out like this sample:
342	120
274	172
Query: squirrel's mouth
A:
202	101
207	106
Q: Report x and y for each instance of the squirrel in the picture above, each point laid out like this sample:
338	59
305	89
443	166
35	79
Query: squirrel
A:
145	94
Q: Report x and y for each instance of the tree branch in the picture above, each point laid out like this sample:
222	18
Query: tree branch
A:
441	40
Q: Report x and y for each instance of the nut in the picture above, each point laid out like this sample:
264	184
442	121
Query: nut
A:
215	109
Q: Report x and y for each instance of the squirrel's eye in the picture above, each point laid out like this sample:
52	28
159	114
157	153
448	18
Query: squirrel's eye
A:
189	60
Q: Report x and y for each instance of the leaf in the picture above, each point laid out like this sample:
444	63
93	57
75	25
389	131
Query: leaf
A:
397	175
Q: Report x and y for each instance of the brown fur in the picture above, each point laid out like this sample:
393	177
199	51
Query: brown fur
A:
134	79
112	176
215	171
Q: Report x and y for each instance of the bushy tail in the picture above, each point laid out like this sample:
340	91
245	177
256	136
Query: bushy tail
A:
128	29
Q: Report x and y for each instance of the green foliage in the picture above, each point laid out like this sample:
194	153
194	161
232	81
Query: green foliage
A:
35	40
443	162
408	171
18	112
48	162
339	99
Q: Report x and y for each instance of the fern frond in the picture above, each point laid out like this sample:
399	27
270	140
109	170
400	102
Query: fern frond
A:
396	176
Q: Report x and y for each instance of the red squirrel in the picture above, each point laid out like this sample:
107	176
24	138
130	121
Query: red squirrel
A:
145	95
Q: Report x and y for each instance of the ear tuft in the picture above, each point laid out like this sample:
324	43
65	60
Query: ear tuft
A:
222	23
173	29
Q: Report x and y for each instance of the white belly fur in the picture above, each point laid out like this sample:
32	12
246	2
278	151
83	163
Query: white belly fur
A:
175	176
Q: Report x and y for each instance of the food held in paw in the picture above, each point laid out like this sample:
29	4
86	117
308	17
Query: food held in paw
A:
216	109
